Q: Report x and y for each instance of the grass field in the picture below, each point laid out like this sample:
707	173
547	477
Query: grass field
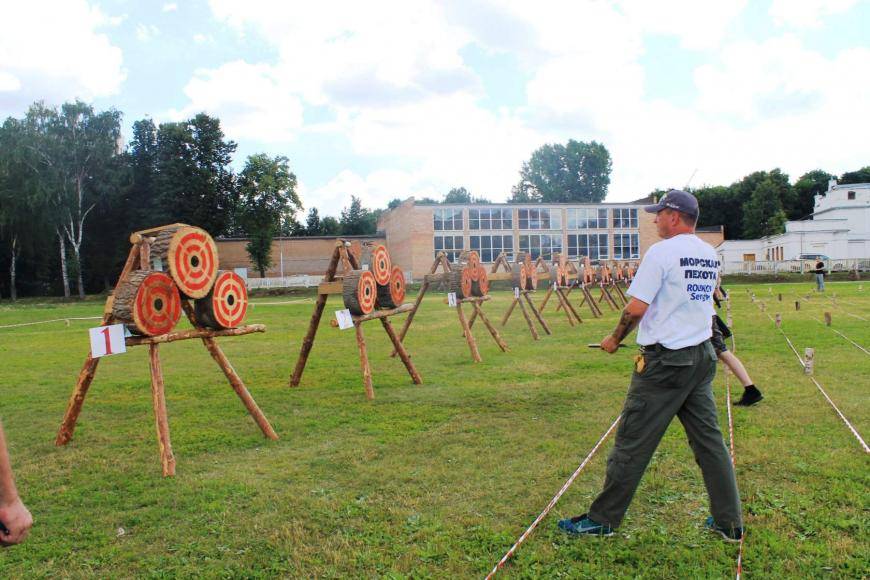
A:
430	481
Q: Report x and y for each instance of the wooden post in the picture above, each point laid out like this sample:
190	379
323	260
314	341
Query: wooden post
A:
778	320
495	335
780	296
537	314
308	341
364	361
809	360
158	397
547	298
827	319
569	305
763	306
797	304
472	344
74	407
400	349
527	317
510	309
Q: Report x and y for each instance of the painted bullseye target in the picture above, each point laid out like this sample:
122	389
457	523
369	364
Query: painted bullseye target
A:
226	305
393	295
193	260
360	292
519	276
381	265
481	285
157	306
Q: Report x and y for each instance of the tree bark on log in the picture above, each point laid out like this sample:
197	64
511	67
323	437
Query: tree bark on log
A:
158	397
364	362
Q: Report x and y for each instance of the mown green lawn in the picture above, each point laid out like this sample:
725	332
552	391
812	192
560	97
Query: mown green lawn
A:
430	481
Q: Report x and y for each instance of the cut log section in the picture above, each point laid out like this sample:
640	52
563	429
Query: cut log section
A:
189	255
393	294
226	305
460	282
377	258
359	292
480	286
520	277
147	302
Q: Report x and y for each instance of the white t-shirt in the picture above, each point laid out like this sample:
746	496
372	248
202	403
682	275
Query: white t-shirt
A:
676	278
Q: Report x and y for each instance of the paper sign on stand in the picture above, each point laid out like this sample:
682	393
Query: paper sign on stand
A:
451	299
516	291
107	340
344	318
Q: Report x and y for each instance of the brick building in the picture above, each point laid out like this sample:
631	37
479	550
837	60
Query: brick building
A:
415	232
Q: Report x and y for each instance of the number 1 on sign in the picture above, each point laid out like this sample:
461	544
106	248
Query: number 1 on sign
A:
105	333
107	340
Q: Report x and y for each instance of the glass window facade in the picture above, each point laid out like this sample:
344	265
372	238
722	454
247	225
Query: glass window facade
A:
489	219
542	245
489	247
450	245
625	218
447	220
539	219
592	245
625	247
588	219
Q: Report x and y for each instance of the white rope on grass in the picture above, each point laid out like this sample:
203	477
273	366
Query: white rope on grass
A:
19	325
855	344
819	386
553	501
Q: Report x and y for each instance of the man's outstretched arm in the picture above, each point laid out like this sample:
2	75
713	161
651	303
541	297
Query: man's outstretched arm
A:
631	315
14	517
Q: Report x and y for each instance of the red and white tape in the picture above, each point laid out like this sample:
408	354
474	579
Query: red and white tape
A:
553	501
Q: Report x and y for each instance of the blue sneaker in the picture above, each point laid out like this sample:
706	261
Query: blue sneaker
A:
733	535
584	525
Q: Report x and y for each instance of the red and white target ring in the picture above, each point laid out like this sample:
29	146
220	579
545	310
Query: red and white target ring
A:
397	286
194	262
229	299
381	265
482	281
367	291
157	306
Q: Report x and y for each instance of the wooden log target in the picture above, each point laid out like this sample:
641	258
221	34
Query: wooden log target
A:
392	295
377	258
480	285
360	291
189	255
147	302
519	276
226	305
460	282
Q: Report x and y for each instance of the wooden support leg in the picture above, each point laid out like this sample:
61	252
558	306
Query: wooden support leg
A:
74	407
404	332
158	397
239	387
561	302
403	353
547	299
570	306
364	362
472	344
529	322
495	335
537	314
507	314
473	317
308	341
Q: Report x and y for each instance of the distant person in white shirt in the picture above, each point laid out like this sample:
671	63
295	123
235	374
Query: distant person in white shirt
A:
672	306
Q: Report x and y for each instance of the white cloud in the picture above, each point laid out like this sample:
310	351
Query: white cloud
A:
250	101
9	82
200	38
170	7
806	13
146	32
64	57
393	77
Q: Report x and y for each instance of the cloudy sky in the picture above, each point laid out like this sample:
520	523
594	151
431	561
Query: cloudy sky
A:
391	99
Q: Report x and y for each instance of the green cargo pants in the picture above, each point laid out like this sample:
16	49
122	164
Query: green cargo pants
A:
672	382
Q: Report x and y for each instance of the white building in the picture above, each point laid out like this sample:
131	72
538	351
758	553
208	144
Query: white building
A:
838	230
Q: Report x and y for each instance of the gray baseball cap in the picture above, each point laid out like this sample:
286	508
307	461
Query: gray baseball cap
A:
678	200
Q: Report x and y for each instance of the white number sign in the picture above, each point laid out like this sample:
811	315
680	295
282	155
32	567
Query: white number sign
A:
516	291
451	299
106	340
344	318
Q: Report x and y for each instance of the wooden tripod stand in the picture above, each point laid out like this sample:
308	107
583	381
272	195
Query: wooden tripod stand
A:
333	284
139	259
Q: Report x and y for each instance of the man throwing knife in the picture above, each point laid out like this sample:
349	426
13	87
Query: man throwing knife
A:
671	304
